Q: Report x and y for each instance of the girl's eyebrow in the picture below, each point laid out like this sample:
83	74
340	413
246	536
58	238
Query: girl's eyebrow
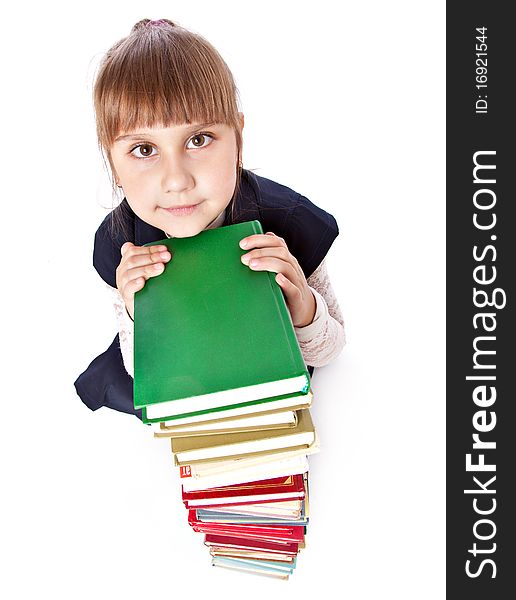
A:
144	135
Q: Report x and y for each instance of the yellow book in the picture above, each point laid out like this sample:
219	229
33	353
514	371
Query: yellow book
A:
254	461
216	447
261	422
290	403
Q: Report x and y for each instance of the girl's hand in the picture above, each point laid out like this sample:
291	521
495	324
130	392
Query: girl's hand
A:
138	263
271	254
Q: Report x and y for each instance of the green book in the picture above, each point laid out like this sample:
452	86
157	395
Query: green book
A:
210	333
254	407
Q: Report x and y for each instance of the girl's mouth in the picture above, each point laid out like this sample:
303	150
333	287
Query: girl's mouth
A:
179	211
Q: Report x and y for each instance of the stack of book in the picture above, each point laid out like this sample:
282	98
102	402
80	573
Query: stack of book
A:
218	371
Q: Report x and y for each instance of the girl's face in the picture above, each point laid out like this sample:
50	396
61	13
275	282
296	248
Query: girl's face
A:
177	178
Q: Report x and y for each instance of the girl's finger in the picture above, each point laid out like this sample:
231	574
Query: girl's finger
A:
280	252
133	286
145	272
292	292
258	240
126	247
130	248
275	265
140	259
302	310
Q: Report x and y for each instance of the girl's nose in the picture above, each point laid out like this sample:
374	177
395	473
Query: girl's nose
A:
176	176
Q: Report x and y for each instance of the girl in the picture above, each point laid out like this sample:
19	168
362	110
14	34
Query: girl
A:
169	126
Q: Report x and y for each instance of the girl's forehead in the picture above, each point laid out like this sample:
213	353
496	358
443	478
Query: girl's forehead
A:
160	126
128	124
160	129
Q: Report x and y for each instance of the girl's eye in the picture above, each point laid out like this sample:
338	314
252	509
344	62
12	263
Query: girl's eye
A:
143	151
200	140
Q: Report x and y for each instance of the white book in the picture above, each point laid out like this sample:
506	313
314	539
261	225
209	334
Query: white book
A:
249	567
279	509
200	471
268	470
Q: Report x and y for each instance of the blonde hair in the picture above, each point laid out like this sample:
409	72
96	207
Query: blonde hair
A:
162	74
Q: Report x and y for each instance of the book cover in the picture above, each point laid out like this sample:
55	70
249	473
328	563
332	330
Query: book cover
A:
267	569
198	448
261	422
283	402
265	532
219	516
255	461
281	509
226	541
274	564
284	565
222	551
293	466
279	488
264	453
206	313
270	534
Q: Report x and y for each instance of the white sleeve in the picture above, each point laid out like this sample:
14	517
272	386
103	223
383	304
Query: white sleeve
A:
323	339
125	330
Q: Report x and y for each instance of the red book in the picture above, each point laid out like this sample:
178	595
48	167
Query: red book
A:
289	487
226	541
291	533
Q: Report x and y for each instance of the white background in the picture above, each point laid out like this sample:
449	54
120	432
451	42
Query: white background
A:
344	102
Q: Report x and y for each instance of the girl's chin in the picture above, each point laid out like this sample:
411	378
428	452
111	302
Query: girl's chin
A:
183	235
182	230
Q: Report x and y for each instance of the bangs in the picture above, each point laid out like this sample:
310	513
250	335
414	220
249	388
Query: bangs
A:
165	77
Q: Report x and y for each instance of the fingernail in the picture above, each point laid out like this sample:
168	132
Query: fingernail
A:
159	266
165	255
253	263
243	244
245	258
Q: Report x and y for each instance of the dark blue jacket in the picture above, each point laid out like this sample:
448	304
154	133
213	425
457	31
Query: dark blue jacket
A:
307	230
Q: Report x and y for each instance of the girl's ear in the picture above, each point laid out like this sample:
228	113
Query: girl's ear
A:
114	175
116	178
